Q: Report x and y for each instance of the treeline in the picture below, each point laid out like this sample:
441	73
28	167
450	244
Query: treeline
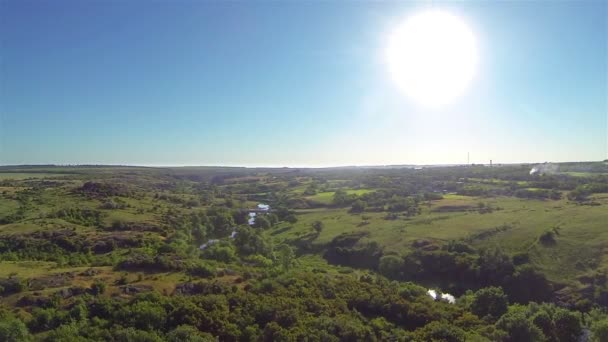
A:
454	267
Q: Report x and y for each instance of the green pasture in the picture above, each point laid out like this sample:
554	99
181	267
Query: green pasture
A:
26	175
579	248
327	196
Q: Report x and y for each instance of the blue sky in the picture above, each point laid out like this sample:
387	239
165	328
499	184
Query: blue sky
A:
291	84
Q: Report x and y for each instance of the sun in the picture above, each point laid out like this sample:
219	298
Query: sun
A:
432	57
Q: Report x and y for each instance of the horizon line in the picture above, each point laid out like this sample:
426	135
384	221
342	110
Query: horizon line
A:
289	166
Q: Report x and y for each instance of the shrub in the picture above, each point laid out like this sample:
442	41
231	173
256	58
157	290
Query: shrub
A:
98	287
547	238
201	270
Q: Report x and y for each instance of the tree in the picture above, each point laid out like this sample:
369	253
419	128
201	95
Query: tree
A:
220	252
340	198
567	325
291	218
494	267
261	221
318	226
188	333
134	335
311	189
440	331
44	319
13	330
358	206
249	241
489	301
79	311
98	287
144	315
600	330
580	194
519	328
543	320
285	256
390	266
67	332
527	284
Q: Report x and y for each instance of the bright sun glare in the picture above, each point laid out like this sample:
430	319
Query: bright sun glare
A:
432	57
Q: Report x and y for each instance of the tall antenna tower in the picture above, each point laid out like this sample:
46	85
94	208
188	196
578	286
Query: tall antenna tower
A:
468	159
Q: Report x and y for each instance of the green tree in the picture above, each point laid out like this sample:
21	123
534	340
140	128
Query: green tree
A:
67	333
261	221
340	198
13	330
133	335
285	256
220	252
44	319
599	330
249	241
543	320
390	266
79	312
567	325
98	287
440	331
188	333
358	206
144	315
489	301
519	328
318	226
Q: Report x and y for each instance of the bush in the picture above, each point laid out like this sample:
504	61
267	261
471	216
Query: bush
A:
143	315
220	252
358	206
11	285
318	226
13	329
201	270
98	287
547	238
521	258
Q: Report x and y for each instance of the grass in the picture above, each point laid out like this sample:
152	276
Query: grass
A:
327	196
583	174
580	246
25	175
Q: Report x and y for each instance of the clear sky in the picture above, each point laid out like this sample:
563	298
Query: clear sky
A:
292	84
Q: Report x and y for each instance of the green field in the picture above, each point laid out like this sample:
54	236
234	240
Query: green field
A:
25	175
327	196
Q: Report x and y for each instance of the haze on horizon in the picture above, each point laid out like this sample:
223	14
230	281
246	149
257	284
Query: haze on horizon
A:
293	84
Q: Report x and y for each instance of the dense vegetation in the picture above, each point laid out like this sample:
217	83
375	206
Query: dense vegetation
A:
177	254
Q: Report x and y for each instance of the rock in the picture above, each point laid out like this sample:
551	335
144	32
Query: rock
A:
133	289
421	243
